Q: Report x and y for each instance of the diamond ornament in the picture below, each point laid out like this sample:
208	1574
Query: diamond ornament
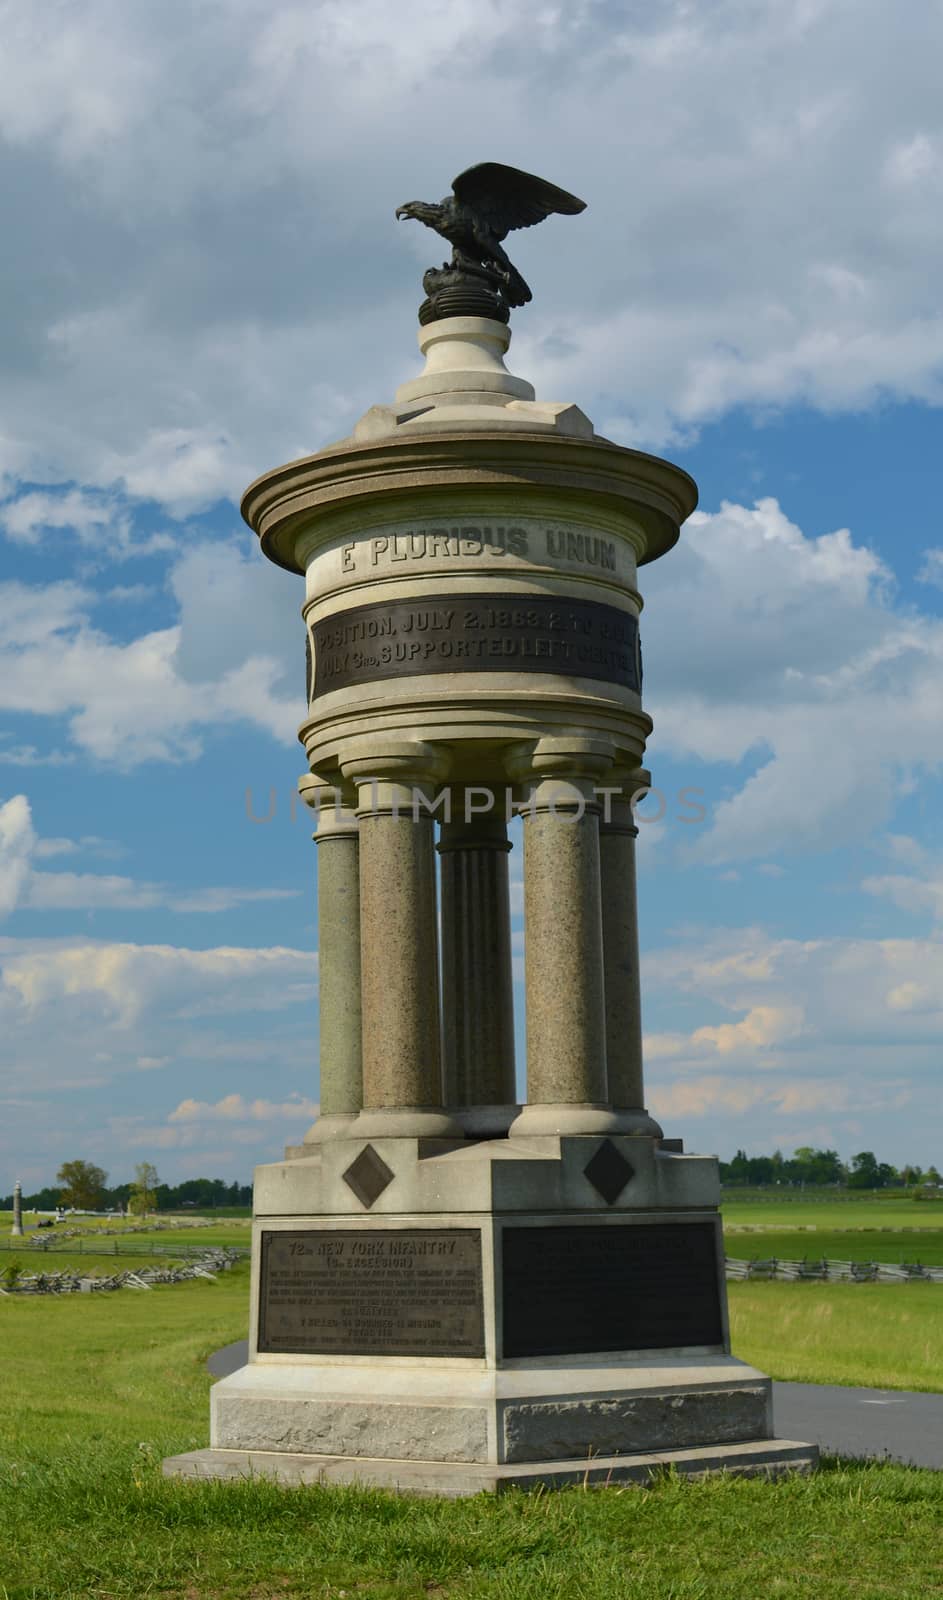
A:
608	1172
368	1176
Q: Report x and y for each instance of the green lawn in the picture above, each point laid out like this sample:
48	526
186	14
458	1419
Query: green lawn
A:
96	1391
838	1213
882	1336
855	1244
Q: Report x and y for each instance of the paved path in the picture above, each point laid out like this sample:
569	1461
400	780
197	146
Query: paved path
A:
878	1423
862	1422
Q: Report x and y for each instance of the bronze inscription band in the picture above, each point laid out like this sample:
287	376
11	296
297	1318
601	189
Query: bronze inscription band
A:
477	633
390	1292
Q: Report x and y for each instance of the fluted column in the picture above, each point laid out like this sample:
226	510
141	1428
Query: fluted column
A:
617	835
563	939
16	1232
477	984
402	1078
337	838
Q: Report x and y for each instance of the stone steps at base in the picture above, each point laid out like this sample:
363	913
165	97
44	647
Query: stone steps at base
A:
454	1480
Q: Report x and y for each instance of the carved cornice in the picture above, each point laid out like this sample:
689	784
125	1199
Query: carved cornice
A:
285	503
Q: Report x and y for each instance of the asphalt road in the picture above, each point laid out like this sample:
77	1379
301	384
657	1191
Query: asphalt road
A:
882	1424
879	1423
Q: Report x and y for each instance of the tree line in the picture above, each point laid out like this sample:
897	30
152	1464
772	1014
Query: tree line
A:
84	1186
825	1167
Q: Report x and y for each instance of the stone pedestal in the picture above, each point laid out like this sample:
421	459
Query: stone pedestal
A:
442	1318
451	1292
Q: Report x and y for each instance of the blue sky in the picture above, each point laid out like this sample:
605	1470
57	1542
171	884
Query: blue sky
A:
204	278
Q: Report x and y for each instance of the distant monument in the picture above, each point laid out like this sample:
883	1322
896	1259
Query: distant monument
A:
452	1291
16	1232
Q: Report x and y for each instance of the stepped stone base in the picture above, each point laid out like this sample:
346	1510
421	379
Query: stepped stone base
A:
446	1317
456	1480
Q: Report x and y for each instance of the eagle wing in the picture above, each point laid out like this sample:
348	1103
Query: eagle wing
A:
506	198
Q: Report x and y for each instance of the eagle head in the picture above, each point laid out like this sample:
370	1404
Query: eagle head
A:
420	210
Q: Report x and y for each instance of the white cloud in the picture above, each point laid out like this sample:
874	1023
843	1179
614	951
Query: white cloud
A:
89	844
851	993
932	569
99	522
923	894
800	655
762	1026
156	696
118	982
22	886
234	1108
88	891
17	842
740	1095
177	356
866	1045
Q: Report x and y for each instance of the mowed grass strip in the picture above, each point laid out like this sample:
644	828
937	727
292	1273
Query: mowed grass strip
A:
851	1244
97	1391
872	1335
839	1213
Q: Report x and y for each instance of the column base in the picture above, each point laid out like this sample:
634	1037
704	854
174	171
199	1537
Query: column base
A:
335	1125
637	1121
766	1458
404	1122
484	1122
578	1117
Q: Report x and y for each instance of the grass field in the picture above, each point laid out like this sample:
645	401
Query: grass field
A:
882	1336
96	1393
856	1244
846	1230
841	1214
233	1231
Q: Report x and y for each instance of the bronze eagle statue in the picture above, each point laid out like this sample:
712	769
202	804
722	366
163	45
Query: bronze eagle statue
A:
486	203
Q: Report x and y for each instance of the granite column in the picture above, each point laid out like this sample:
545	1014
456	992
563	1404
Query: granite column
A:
402	1076
563	939
617	836
477	984
337	838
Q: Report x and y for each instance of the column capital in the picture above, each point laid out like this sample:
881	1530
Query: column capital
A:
570	756
618	795
388	774
559	774
334	806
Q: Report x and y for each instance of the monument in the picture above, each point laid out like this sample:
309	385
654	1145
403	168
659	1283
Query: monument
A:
452	1291
16	1232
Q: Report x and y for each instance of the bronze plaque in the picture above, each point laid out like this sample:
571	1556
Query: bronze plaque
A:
386	1292
575	1290
477	633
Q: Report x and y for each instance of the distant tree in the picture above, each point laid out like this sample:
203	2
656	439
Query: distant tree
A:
144	1189
83	1184
863	1172
817	1166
